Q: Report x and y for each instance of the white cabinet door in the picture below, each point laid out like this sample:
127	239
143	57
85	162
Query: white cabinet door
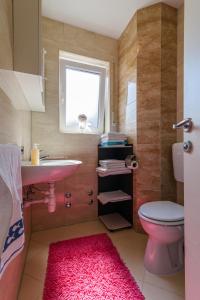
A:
27	52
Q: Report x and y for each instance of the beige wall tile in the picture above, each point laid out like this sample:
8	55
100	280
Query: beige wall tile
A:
6	59
15	127
45	126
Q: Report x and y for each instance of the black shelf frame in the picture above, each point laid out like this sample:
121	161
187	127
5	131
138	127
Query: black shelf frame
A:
122	182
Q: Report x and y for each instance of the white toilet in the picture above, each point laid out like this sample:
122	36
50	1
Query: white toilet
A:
163	221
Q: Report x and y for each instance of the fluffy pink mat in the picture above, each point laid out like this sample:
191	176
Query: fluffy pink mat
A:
88	268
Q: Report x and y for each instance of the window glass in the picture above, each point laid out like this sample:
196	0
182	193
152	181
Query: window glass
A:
84	94
82	97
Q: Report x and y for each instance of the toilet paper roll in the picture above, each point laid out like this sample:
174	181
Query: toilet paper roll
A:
134	165
129	159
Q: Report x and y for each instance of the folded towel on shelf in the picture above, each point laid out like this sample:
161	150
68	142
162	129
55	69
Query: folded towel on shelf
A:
112	164
113	139
113	143
113	196
107	172
112	167
111	161
12	227
114	135
116	169
113	146
108	140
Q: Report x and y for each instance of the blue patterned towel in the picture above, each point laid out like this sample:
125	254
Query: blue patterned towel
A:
11	220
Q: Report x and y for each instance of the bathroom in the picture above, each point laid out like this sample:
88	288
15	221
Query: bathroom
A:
145	54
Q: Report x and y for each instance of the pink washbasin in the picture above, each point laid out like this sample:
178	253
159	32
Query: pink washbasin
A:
48	171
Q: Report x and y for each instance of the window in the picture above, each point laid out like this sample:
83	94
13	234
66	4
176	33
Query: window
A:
83	93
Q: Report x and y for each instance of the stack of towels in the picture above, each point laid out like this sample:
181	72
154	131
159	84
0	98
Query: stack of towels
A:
114	196
112	167
113	139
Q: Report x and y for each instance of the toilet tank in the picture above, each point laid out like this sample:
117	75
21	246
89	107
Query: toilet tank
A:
178	161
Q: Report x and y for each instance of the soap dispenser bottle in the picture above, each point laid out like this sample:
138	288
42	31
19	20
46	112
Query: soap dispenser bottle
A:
35	155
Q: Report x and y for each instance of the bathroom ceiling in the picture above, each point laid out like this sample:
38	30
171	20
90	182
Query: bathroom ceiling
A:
107	17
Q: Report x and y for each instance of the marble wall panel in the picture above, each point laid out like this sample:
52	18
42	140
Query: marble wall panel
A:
168	99
128	50
153	30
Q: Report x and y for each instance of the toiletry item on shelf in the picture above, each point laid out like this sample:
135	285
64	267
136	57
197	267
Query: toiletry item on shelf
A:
112	167
35	155
113	139
113	196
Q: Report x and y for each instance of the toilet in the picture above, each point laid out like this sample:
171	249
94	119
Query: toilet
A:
163	221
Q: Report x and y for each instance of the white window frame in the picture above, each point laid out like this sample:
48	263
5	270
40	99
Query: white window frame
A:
103	91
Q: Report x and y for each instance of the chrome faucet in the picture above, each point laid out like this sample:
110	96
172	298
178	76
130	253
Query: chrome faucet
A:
43	156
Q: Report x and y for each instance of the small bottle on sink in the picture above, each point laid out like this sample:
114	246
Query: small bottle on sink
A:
35	155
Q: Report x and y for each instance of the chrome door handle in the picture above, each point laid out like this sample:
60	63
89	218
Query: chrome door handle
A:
186	124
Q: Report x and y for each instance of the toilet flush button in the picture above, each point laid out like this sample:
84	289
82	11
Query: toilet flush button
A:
187	147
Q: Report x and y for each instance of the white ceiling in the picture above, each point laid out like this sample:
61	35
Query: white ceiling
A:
108	17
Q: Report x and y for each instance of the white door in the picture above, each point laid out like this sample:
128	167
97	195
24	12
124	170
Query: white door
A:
192	160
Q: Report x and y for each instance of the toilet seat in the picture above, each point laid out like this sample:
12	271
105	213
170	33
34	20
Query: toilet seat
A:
162	212
163	223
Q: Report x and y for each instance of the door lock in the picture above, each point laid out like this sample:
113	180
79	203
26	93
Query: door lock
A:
187	147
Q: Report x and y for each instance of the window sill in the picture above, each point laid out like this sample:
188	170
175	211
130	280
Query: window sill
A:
80	133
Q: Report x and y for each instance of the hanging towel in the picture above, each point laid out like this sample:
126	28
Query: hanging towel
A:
11	220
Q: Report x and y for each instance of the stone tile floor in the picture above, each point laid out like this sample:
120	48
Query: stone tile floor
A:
130	245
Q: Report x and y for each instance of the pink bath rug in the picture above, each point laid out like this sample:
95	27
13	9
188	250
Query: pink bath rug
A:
88	268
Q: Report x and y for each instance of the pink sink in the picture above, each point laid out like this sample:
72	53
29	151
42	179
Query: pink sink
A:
48	171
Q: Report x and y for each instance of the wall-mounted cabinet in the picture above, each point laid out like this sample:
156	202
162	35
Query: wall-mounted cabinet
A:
25	91
24	86
27	50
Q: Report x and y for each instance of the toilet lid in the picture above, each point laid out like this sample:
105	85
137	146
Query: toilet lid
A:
162	211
